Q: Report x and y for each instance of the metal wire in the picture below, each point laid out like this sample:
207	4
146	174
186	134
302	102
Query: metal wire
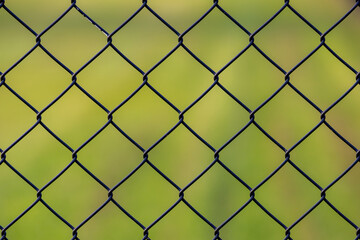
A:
145	6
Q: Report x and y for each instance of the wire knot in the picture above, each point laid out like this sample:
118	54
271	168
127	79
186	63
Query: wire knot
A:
323	116
146	235
217	235
2	79
323	193
3	235
75	235
358	75
252	193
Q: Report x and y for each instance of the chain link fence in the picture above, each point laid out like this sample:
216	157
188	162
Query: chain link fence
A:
146	160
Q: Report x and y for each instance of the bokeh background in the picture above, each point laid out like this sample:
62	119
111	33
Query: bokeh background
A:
110	156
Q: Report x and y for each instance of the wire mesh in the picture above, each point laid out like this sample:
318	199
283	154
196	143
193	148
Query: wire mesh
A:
145	83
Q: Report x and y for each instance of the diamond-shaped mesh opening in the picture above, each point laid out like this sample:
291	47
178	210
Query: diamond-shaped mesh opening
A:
314	11
180	15
16	44
111	223
75	195
314	225
343	39
244	156
323	160
120	158
291	39
38	71
323	87
286	109
233	117
42	13
219	202
258	75
146	122
174	76
221	35
142	195
192	226
109	79
251	14
33	223
344	194
143	36
10	195
245	225
292	195
194	156
65	40
65	117
109	14
15	117
342	117
37	162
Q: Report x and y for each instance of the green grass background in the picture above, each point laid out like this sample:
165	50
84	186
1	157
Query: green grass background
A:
110	156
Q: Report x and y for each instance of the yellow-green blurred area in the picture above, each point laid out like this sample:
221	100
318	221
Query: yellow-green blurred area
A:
146	118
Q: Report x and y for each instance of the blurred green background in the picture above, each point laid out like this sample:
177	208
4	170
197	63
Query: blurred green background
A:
110	156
